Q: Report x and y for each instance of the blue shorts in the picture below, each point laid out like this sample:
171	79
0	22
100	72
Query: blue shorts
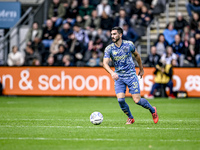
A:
131	82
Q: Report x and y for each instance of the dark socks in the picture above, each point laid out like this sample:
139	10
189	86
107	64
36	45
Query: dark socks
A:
125	108
144	103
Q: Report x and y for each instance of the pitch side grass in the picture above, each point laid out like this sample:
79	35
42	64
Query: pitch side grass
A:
62	123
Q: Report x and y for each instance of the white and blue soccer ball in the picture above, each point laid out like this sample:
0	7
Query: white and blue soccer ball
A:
96	118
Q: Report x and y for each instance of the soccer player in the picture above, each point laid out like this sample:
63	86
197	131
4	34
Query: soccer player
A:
120	51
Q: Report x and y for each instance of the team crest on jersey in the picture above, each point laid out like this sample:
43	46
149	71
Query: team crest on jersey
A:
126	49
114	53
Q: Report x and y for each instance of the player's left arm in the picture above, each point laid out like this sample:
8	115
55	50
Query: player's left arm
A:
139	61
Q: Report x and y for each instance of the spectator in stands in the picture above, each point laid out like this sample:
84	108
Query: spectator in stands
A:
104	12
94	60
71	13
50	61
58	57
65	31
95	45
105	37
129	33
161	44
15	58
147	3
38	47
158	7
197	46
54	49
98	45
185	38
32	58
67	60
197	49
95	3
85	9
92	25
56	12
198	58
66	4
135	16
180	23
36	62
152	59
79	21
121	19
193	5
33	32
168	56
49	33
163	78
186	35
146	17
104	7
116	7
81	35
191	52
76	49
169	33
136	11
194	22
178	49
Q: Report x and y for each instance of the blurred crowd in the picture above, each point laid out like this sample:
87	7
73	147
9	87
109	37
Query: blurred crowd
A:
180	41
77	31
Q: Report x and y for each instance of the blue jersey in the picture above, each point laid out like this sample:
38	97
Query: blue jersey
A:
122	58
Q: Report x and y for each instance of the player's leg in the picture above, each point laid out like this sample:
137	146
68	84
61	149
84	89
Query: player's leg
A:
120	89
142	102
134	89
154	87
170	85
145	104
123	105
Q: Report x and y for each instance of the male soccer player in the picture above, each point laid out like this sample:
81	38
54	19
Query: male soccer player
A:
120	51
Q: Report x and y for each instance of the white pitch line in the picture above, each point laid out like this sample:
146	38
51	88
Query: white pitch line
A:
88	139
163	120
102	127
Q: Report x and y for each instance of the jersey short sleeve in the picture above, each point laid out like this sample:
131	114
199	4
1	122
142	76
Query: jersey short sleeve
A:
107	52
132	46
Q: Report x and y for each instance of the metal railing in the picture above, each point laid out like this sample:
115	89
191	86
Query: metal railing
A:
5	42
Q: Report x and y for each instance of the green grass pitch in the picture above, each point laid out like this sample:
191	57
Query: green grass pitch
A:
62	123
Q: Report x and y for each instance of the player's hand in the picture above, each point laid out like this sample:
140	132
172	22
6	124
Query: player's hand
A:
115	76
141	73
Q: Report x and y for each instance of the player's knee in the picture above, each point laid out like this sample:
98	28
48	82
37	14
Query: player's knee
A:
136	99
121	100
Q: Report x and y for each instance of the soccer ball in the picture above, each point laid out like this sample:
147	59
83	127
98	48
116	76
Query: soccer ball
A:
96	118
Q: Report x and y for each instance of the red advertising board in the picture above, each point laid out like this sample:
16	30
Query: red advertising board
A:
84	81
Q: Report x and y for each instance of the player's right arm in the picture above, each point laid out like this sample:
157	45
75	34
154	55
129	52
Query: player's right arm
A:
108	69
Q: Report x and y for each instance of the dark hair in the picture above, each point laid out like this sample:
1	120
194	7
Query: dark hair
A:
61	45
14	47
119	29
30	46
168	25
122	9
36	22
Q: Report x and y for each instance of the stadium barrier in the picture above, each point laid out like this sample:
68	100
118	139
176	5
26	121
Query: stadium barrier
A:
84	81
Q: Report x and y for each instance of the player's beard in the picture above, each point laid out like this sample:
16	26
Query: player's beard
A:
116	40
